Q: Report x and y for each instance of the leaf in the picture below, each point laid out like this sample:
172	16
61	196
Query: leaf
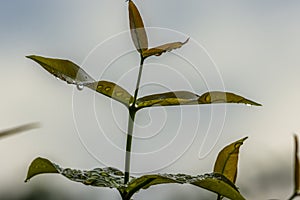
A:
19	129
213	182
63	69
113	178
227	160
106	177
137	30
41	166
73	74
224	97
112	90
157	51
189	98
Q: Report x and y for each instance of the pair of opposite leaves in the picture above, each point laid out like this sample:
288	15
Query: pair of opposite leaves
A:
221	181
73	74
139	35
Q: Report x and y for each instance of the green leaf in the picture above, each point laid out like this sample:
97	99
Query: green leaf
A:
113	178
213	182
137	30
41	166
63	69
227	160
106	177
157	51
189	98
19	129
111	90
73	74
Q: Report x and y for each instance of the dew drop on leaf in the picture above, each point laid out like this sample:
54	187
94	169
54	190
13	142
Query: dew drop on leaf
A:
80	86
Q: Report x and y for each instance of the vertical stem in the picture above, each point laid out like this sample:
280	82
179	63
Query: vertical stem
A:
132	112
138	80
128	145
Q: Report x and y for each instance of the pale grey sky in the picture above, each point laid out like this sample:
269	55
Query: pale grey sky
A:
253	48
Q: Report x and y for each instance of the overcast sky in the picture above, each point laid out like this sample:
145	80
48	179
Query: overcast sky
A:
246	47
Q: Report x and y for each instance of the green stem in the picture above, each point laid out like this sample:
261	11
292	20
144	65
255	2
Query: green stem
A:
132	111
138	81
128	145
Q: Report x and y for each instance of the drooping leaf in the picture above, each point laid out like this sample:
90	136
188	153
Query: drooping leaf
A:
63	69
113	178
19	129
189	98
157	51
227	160
111	90
137	30
73	74
213	182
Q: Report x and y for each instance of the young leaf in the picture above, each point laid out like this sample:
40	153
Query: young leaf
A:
137	30
189	98
113	178
227	160
19	129
63	69
111	90
157	51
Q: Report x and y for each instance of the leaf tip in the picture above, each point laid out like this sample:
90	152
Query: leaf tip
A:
258	104
30	56
186	41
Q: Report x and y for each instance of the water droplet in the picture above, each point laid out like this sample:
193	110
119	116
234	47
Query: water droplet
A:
249	105
80	86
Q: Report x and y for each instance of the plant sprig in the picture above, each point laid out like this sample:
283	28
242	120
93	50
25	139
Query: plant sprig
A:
221	181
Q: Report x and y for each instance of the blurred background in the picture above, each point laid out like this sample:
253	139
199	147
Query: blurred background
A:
246	47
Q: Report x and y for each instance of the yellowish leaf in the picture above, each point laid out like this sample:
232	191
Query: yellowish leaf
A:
137	30
63	69
41	166
225	97
157	51
189	98
227	160
73	74
111	90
